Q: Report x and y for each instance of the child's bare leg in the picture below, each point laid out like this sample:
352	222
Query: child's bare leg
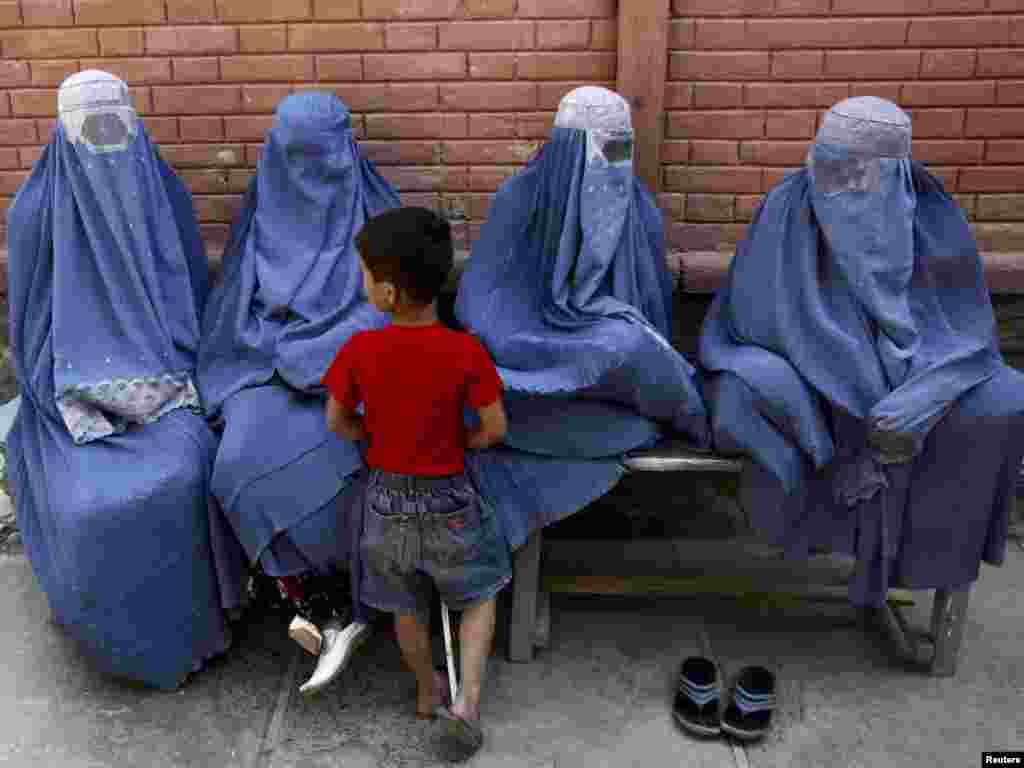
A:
476	635
414	640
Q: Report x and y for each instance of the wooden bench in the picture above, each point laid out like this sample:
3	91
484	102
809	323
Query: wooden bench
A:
529	615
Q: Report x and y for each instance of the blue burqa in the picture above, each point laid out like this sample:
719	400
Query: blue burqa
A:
569	290
291	296
853	354
107	275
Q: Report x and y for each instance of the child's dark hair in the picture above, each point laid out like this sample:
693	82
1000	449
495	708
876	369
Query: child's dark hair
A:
410	247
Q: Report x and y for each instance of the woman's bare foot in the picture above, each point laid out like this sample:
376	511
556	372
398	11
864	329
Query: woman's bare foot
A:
459	708
427	702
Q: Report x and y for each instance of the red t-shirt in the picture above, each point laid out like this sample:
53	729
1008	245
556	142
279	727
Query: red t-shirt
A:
414	383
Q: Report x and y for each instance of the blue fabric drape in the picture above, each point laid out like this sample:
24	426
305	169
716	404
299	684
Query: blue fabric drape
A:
855	359
569	290
291	296
106	276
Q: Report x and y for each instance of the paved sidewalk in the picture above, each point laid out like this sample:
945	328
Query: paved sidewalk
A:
599	697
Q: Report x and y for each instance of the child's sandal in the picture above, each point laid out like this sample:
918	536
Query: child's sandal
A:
696	706
749	714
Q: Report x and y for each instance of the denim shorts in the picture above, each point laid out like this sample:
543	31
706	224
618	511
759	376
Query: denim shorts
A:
420	532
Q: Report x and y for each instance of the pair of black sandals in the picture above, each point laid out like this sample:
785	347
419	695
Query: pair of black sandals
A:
749	706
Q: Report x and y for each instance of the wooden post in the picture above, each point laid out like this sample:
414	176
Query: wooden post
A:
525	586
643	68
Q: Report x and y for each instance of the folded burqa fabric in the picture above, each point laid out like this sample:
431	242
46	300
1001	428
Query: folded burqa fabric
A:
854	356
569	290
109	460
291	296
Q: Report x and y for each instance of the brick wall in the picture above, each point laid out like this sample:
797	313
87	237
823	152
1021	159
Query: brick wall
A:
450	97
748	81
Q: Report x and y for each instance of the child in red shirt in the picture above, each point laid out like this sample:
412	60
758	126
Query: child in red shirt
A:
425	523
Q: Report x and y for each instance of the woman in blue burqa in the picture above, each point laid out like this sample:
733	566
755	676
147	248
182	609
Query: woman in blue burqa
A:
569	289
291	296
853	354
109	459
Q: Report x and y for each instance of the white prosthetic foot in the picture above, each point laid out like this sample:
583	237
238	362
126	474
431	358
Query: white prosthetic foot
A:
337	648
306	634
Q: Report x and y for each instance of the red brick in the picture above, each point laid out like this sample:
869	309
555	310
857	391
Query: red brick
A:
9	158
994	123
718	34
28	155
252	154
201	70
336	37
49	43
263	10
937	123
46	127
417	178
999	237
162	129
794	94
957	6
142	99
873	7
403	152
953	94
5	105
798	64
716	125
949	152
429	200
678	95
11	181
122	42
1010	92
965	31
410	9
489	152
993	179
790	125
13	132
15	72
567	66
773	152
550	95
410	37
967	203
705	207
563	35
534	126
1005	6
479	206
717	95
46	13
827	33
391	97
493	66
948	64
415	66
206	182
197	100
342	68
248	127
1004	152
487	35
746	206
47	72
191	11
604	35
203	128
116	13
416	126
995	207
708	65
682	34
483	97
869	65
217	208
488	179
995	63
492	126
802	7
269	38
34	102
133	70
266	69
336	9
887	91
9	17
489	8
675	152
239	181
263	98
713	179
670	205
203	155
567	9
722	7
191	41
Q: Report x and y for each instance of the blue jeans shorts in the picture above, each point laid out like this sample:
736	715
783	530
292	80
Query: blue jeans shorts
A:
420	532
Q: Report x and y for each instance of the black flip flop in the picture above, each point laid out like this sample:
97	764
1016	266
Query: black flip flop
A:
696	706
466	735
751	705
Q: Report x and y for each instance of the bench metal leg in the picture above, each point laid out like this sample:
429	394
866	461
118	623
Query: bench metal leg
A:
525	586
949	616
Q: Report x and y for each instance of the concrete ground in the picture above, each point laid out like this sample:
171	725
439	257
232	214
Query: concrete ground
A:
599	696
